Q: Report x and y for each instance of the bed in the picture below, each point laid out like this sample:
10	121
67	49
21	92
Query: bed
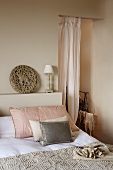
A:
24	152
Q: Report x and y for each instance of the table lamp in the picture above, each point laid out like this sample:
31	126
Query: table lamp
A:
48	71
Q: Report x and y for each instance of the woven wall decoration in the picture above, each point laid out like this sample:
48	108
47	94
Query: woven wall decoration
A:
23	79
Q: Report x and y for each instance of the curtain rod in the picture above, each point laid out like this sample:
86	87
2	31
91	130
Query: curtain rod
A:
92	18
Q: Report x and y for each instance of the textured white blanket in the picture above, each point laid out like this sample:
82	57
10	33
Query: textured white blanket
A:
54	160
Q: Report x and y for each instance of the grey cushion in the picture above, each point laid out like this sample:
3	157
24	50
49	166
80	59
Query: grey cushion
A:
55	132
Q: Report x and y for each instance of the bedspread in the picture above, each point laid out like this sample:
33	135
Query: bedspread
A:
54	160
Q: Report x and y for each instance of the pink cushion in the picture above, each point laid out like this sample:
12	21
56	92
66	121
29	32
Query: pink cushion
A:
22	116
52	112
21	119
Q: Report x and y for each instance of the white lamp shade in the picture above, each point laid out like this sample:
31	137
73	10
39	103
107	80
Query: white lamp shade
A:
48	69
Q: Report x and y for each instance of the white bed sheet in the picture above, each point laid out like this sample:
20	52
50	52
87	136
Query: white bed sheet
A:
12	146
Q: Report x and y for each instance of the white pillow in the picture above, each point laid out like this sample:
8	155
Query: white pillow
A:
35	126
6	127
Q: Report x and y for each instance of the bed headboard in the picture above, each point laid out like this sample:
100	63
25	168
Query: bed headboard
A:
28	100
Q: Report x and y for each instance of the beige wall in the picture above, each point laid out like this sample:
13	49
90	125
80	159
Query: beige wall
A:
29	33
86	53
97	71
102	74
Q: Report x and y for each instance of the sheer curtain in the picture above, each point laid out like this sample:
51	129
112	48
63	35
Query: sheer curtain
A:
69	62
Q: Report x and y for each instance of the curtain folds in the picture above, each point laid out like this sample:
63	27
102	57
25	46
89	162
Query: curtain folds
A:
69	62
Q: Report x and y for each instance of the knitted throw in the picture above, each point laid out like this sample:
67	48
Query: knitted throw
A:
54	160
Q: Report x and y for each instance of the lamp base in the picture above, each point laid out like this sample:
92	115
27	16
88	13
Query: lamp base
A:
49	91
